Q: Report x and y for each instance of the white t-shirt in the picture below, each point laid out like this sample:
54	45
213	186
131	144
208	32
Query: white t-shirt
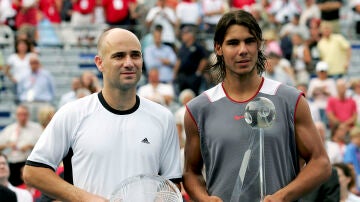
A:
110	145
352	198
335	151
157	93
320	100
22	195
211	6
19	67
157	15
23	136
188	12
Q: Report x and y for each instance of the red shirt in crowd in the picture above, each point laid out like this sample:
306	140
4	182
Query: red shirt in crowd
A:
84	6
241	3
50	10
25	16
116	10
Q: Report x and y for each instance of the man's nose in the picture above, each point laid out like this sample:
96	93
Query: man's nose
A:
242	48
128	61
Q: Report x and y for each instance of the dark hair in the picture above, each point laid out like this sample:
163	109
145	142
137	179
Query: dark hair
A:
348	172
243	18
27	42
158	27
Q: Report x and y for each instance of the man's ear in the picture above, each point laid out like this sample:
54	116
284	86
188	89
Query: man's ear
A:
218	49
98	62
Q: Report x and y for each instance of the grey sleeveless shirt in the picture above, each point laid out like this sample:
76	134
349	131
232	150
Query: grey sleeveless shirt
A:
225	137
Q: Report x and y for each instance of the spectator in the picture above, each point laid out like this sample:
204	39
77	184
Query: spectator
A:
311	11
119	13
21	194
300	58
50	10
212	12
192	59
312	42
37	88
335	150
82	13
166	17
341	109
286	33
355	86
241	4
66	11
99	17
156	91
321	88
351	155
275	71
17	140
82	92
272	43
335	50
260	15
17	64
282	11
184	97
27	11
71	95
26	33
90	81
347	182
160	56
188	13
36	194
339	137
330	12
45	115
294	27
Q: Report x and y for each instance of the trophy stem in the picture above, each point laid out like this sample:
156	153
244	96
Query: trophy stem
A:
262	165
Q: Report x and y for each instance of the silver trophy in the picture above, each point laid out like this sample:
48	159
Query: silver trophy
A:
146	188
250	184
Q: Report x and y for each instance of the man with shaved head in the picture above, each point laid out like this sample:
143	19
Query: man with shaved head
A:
110	136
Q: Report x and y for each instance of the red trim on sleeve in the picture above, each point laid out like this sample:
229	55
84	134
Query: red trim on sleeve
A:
297	102
191	115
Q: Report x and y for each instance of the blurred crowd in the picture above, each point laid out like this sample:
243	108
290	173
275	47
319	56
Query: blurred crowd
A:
303	41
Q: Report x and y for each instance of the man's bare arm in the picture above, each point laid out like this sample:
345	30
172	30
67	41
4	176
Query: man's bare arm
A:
47	181
194	182
312	150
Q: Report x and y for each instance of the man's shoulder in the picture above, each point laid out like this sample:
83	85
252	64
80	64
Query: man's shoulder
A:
84	103
211	95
